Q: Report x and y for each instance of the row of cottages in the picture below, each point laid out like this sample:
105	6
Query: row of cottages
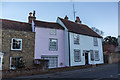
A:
63	43
16	44
66	43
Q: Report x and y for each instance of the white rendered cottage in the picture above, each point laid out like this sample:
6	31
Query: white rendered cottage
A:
83	45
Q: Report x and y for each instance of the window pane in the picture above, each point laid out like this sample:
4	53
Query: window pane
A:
77	57
16	44
53	31
96	55
92	55
53	44
76	39
52	62
95	41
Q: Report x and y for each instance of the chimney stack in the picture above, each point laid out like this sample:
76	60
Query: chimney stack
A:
30	13
34	13
78	20
66	17
30	18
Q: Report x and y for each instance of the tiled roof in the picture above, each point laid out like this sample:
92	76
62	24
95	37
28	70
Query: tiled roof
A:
79	28
14	25
48	24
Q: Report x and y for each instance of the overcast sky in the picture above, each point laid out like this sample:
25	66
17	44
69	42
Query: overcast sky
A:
102	15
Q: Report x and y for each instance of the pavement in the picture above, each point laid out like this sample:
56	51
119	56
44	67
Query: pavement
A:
103	72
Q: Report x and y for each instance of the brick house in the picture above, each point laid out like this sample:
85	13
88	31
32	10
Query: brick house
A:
17	44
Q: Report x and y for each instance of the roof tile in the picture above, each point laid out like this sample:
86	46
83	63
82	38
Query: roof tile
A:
14	25
48	24
79	28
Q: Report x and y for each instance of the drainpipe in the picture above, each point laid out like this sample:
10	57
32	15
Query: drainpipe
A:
69	48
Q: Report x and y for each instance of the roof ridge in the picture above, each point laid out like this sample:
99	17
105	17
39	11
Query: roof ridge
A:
46	22
14	21
72	21
66	22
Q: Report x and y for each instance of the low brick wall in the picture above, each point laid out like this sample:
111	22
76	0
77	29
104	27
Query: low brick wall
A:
33	71
20	72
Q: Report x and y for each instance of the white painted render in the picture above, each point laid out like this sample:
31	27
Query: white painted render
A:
33	27
86	43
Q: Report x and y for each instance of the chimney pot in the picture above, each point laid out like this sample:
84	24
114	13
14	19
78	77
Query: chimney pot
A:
30	18
30	13
78	20
66	17
34	13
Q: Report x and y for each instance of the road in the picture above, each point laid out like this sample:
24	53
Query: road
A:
94	73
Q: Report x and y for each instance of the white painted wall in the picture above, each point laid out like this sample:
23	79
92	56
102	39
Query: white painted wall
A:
86	43
33	27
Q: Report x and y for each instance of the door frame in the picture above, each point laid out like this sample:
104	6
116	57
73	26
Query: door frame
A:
84	53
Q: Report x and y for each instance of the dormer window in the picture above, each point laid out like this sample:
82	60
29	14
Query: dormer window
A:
16	44
76	39
52	31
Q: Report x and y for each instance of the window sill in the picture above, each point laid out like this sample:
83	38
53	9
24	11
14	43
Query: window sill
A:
76	43
53	50
77	61
97	60
96	45
16	49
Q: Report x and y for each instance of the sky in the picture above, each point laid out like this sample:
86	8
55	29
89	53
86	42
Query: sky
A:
102	15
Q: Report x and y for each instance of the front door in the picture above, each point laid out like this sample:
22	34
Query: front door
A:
86	58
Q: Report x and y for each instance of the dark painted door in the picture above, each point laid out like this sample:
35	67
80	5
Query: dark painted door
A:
86	58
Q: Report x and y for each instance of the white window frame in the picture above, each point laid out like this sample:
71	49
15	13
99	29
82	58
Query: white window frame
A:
95	41
92	58
47	57
56	44
12	44
11	64
97	58
77	60
52	31
76	38
14	62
